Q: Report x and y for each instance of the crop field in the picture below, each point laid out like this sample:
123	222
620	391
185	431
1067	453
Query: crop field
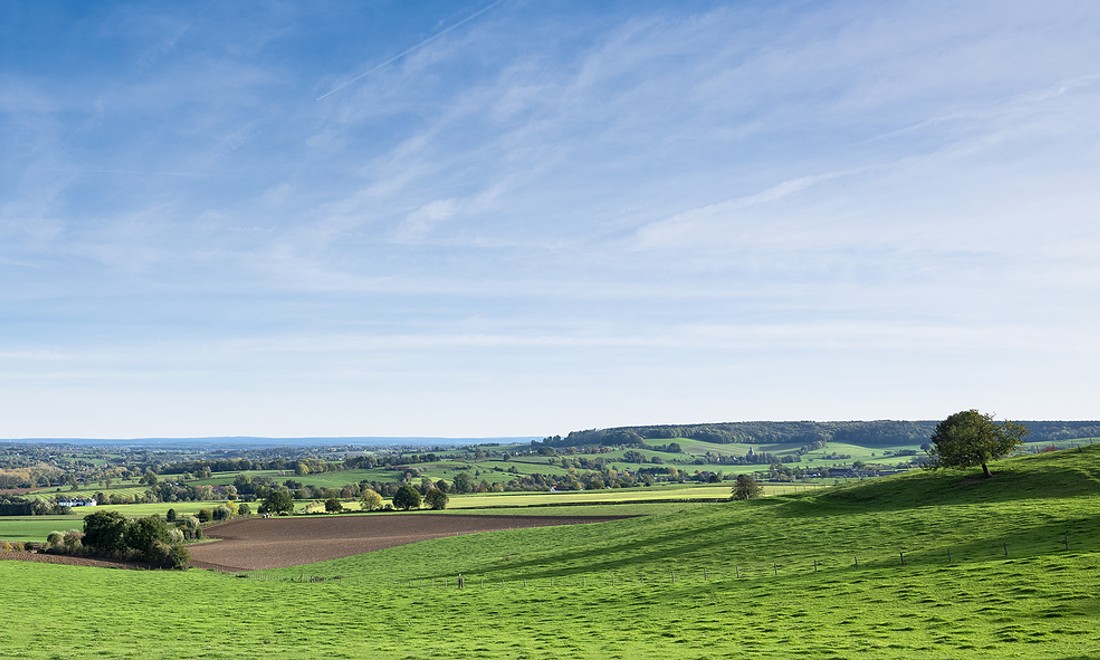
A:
36	528
709	492
278	542
925	565
30	528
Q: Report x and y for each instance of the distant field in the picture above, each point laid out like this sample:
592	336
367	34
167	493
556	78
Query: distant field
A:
36	528
608	495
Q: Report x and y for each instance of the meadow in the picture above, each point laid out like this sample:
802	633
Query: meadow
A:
769	578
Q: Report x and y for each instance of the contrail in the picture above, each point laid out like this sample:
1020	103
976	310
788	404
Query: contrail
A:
408	50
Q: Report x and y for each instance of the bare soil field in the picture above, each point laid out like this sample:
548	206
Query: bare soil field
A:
255	543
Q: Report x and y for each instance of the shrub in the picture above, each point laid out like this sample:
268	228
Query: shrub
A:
178	557
222	512
54	539
205	515
73	541
191	528
244	510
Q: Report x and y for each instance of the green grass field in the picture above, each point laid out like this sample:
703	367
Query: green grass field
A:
699	581
36	528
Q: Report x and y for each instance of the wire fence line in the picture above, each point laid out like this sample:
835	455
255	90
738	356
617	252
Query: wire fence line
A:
755	569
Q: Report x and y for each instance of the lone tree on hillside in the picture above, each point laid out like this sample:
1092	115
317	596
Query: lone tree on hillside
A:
745	488
970	438
406	498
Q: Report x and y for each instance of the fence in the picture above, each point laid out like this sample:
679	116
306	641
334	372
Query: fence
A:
737	570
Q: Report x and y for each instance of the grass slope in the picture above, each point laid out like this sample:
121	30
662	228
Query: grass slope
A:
636	588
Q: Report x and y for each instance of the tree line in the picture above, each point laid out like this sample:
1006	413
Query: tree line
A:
879	433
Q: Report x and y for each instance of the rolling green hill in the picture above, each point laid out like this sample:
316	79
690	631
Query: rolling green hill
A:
948	566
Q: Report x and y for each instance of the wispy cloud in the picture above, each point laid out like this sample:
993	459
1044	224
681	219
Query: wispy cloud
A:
557	201
410	49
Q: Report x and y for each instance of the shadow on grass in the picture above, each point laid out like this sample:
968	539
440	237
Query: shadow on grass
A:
1064	474
655	547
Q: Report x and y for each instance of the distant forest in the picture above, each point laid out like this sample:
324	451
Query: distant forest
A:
880	433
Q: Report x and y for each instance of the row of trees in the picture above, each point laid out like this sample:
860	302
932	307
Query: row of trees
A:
882	433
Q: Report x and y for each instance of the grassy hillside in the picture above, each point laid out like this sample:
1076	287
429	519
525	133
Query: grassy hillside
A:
706	581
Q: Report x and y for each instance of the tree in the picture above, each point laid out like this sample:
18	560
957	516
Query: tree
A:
370	500
970	438
333	505
745	488
105	532
462	483
406	498
278	502
144	534
244	510
436	499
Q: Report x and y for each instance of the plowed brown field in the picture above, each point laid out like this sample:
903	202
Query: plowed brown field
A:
255	543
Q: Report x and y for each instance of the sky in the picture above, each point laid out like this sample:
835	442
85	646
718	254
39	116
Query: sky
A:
478	218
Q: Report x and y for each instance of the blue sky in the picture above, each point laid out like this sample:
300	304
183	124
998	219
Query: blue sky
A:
523	218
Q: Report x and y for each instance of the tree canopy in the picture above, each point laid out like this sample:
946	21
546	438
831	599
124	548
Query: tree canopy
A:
370	500
278	502
406	498
970	438
745	488
436	499
105	532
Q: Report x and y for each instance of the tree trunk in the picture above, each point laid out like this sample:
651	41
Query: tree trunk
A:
985	470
